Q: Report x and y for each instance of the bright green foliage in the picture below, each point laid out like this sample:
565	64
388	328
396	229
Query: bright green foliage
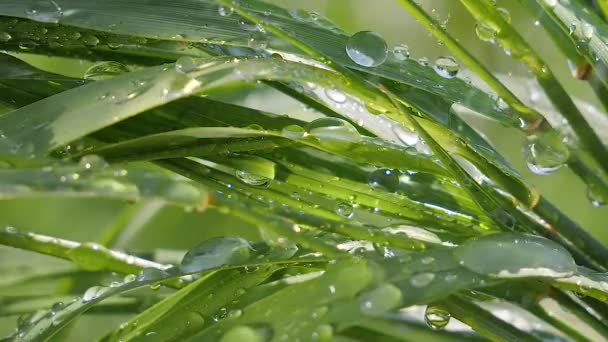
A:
379	214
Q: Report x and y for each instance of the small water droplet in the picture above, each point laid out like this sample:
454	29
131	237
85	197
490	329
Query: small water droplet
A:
401	52
409	138
225	11
436	317
422	279
242	333
384	178
105	70
345	209
5	36
299	14
148	274
185	64
545	153
596	195
329	130
46	11
57	307
446	67
485	33
216	252
367	49
257	40
505	14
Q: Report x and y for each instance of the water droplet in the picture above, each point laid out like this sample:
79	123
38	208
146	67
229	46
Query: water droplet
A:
345	209
27	45
257	40
242	333
545	153
148	274
57	307
293	131
335	95
367	48
596	195
380	299
46	11
185	64
252	179
93	293
235	313
333	130
422	279
446	67
436	317
485	33
216	252
384	178
423	61
299	14
409	138
90	40
504	13
515	255
225	11
11	230
5	36
105	70
401	52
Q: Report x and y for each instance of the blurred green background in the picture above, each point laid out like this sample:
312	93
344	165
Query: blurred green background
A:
179	230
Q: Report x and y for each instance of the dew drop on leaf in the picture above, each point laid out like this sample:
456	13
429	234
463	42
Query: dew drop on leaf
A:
333	129
93	293
380	299
5	36
596	196
257	40
436	317
545	153
185	65
151	274
225	11
422	279
345	210
90	40
105	70
46	11
409	138
446	67
216	252
485	33
335	95
504	13
367	49
401	52
252	179
384	178
510	255
293	131
242	333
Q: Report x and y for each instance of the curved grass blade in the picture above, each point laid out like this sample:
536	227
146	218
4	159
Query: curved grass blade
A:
196	22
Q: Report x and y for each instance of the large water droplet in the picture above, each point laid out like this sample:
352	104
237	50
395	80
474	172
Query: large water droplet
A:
151	274
422	279
409	138
216	252
545	153
252	179
401	52
384	178
93	293
293	131
367	48
185	65
446	67
90	40
332	130
105	70
436	317
515	255
485	33
335	95
46	11
380	299
242	333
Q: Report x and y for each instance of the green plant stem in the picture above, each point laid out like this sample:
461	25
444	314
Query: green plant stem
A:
60	248
487	13
576	308
483	321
